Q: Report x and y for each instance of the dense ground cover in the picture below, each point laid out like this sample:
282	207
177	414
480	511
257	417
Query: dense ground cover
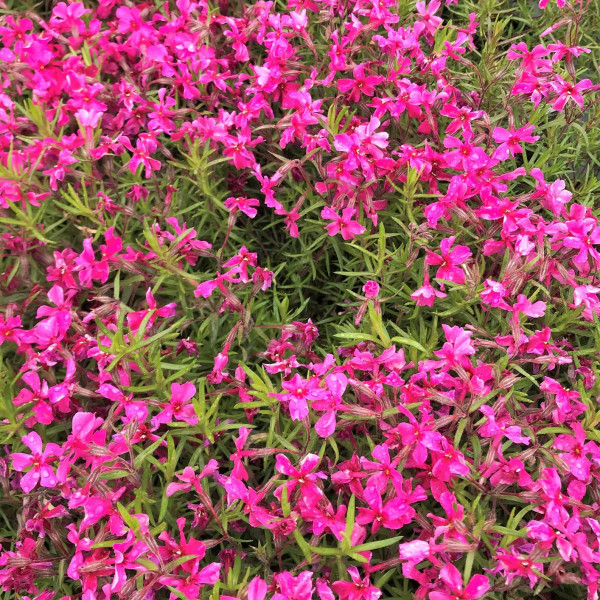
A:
299	300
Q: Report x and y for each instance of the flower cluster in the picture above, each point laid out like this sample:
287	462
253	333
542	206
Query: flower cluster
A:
368	366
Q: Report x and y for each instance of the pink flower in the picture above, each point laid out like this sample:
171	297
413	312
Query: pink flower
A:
134	409
510	141
532	61
566	91
449	260
206	288
298	588
448	462
494	293
88	119
160	119
360	83
498	428
135	319
343	223
426	294
239	471
190	480
39	460
59	171
301	477
544	3
512	565
257	590
38	395
300	390
427	16
461	117
554	500
237	148
240	263
393	514
243	204
371	289
528	308
566	403
196	579
383	469
477	587
336	385
356	589
575	449
457	348
144	147
415	551
179	407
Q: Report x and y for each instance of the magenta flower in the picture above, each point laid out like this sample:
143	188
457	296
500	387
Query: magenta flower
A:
461	117
494	293
393	514
298	588
554	505
134	319
427	16
179	407
575	449
237	148
513	565
360	83
583	234
190	480
371	289
303	477
566	91
477	587
59	171
336	385
426	294
206	288
10	329
528	308
464	155
91	269
144	148
566	403
239	471
134	409
383	469
449	260
88	119
40	461
300	390
239	264
415	551
510	141
448	462
198	578
421	436
243	204
160	120
457	348
532	61
356	589
38	395
498	428
343	223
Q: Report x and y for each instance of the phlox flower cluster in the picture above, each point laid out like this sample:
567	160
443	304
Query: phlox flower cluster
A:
299	300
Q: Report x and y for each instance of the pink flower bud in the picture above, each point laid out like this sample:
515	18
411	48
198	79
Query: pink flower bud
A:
371	289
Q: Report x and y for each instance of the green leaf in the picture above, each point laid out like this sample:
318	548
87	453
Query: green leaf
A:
377	545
